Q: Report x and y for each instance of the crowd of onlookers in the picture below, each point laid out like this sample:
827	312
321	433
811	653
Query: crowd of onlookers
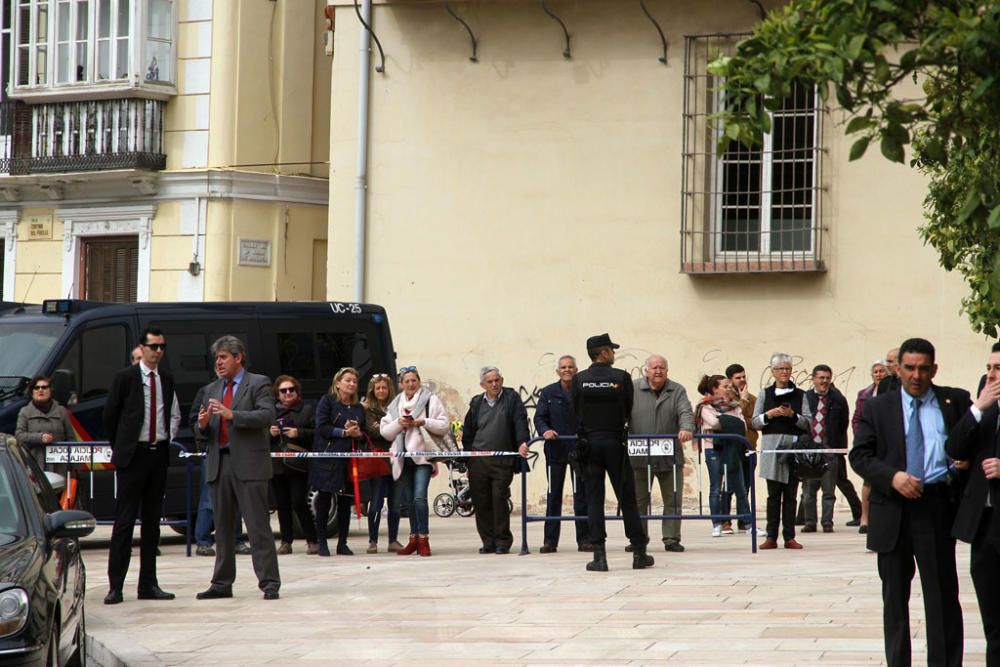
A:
929	456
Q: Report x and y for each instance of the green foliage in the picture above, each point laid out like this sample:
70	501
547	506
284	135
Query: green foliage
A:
871	54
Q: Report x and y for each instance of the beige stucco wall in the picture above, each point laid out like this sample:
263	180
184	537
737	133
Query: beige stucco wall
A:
523	203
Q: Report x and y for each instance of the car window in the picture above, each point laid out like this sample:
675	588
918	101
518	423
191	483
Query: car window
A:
11	518
94	358
41	490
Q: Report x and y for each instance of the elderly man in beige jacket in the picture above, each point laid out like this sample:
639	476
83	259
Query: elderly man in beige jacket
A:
661	407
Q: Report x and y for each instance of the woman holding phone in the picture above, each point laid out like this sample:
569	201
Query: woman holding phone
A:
414	409
781	415
339	418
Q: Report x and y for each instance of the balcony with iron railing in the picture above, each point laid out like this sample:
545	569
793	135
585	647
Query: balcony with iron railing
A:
88	135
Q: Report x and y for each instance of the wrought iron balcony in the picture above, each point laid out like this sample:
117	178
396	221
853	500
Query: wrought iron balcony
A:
87	135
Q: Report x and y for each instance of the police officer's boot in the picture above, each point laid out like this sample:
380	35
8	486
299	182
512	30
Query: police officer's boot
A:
640	559
600	562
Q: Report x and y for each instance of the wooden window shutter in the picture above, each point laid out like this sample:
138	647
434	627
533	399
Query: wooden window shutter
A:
111	269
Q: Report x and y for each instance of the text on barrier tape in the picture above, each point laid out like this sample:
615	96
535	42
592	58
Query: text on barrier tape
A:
381	455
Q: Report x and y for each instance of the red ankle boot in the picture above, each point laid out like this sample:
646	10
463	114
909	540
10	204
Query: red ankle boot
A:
424	545
410	547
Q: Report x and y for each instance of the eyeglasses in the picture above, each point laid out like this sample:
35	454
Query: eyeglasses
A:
782	370
287	390
40	387
407	369
155	346
380	375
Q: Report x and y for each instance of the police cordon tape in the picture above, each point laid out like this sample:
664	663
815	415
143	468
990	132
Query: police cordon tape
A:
358	455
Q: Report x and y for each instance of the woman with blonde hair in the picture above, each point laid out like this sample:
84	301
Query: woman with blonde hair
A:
413	410
339	418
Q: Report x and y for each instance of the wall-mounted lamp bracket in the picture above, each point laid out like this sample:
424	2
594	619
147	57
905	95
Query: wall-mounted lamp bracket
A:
566	53
663	39
379	68
472	37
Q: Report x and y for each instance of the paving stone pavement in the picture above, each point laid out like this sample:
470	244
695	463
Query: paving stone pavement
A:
716	604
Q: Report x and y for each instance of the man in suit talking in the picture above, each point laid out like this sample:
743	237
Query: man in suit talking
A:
232	416
141	416
899	448
975	438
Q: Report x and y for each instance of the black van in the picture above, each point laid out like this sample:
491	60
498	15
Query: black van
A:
82	344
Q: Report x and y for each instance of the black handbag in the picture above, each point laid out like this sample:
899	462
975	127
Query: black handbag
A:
804	465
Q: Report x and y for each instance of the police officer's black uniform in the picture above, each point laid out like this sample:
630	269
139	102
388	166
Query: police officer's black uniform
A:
602	399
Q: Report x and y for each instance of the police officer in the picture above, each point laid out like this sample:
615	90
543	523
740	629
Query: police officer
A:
602	399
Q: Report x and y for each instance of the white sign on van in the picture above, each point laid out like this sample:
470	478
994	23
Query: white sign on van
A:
657	447
78	454
254	252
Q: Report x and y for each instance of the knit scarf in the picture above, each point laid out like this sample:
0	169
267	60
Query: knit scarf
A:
410	406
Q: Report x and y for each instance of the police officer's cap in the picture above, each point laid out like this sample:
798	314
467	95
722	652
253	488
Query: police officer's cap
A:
602	340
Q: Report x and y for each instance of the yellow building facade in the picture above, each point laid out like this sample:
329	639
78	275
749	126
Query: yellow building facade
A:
566	184
163	150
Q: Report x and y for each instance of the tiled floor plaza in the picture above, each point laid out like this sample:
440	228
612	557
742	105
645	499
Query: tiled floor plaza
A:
716	604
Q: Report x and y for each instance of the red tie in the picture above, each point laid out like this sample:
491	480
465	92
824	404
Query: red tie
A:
227	400
152	408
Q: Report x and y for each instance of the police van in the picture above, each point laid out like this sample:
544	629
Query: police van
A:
80	345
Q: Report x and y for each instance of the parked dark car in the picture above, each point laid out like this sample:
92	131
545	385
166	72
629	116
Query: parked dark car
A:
42	578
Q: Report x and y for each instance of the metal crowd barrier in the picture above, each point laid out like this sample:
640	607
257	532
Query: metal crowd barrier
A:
750	518
105	458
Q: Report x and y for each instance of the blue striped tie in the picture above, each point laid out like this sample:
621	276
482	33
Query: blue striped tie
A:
915	443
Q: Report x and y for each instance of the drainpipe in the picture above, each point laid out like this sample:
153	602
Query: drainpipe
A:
361	184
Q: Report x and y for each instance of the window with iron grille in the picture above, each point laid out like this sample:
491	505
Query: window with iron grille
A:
110	268
748	209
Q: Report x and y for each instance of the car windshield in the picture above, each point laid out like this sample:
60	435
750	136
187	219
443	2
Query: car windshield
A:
23	348
11	518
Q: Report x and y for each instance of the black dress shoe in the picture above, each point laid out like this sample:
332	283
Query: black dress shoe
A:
487	550
155	593
675	547
270	595
503	550
547	549
863	530
854	522
809	528
113	597
214	594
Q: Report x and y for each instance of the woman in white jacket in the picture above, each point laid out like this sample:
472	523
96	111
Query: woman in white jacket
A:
412	411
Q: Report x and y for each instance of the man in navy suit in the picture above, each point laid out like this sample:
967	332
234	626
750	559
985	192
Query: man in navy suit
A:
554	417
141	416
975	438
899	449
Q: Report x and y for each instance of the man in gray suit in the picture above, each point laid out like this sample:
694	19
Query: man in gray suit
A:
232	416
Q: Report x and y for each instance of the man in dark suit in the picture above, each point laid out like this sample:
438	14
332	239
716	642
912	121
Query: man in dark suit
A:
975	438
830	418
899	448
232	416
141	416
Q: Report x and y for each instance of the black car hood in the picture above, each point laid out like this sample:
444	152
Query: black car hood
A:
19	558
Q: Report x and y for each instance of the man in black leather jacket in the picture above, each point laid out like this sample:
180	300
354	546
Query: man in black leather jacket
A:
602	400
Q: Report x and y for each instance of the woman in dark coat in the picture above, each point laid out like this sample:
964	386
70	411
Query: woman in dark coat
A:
339	418
292	429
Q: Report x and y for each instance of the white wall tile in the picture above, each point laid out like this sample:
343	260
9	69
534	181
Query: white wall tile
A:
196	10
196	76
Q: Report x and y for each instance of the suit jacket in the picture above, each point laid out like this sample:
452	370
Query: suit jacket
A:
837	417
249	430
125	411
974	441
879	452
